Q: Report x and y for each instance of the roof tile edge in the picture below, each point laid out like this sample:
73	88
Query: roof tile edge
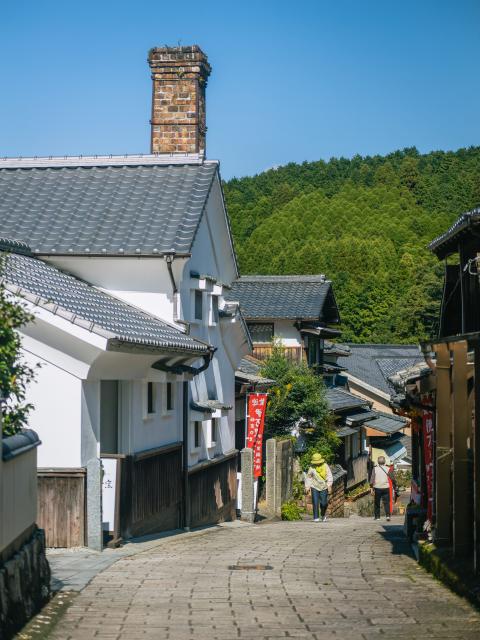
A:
104	160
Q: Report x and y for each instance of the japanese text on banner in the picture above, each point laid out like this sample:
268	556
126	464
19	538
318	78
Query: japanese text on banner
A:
257	404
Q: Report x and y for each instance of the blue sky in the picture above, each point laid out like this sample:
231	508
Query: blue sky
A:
291	81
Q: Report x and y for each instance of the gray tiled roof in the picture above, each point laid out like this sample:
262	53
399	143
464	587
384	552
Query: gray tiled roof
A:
249	369
209	406
407	443
342	431
465	220
335	348
290	297
375	363
340	400
134	207
97	311
387	423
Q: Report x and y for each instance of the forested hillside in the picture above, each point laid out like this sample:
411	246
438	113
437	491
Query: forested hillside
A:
365	223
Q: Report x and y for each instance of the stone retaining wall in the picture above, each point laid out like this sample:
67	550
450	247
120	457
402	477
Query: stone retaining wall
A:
24	585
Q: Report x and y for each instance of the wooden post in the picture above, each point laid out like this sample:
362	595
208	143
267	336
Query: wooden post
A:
476	465
461	429
443	447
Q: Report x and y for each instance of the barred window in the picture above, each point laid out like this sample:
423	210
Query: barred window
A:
261	331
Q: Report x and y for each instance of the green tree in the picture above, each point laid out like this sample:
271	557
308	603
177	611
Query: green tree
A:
366	224
15	375
297	401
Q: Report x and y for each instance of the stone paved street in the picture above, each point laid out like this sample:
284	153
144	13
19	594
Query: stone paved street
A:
350	579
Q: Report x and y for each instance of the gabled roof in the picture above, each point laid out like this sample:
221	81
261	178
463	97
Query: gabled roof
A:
79	302
446	243
111	205
289	297
374	364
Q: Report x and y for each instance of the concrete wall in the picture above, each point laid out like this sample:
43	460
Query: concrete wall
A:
18	496
24	570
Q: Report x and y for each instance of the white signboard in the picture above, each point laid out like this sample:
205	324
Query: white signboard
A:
108	493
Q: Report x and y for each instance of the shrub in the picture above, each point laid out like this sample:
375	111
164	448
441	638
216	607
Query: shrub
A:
14	374
291	511
403	477
356	491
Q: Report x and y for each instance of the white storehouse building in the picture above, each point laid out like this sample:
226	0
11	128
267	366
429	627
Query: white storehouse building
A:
124	263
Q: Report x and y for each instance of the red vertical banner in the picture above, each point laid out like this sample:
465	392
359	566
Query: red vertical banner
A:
257	404
427	424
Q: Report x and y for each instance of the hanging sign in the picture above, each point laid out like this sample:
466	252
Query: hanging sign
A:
427	421
257	404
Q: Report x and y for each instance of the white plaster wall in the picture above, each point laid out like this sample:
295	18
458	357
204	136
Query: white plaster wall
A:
287	333
212	255
56	417
142	282
159	428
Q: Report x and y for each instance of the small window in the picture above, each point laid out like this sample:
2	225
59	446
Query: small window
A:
214	432
169	398
214	308
197	431
150	398
261	331
198	305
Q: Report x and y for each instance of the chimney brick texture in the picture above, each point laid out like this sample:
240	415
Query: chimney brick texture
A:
179	76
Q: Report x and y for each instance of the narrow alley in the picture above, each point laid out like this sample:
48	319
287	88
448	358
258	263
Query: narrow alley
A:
347	578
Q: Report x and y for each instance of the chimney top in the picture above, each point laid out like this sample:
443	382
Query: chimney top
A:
179	76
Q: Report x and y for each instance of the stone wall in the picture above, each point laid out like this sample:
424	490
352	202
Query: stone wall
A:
279	474
337	497
24	584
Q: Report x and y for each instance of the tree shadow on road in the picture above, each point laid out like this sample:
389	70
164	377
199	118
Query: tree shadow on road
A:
393	533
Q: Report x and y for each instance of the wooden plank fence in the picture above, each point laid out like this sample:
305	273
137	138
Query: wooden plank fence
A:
61	506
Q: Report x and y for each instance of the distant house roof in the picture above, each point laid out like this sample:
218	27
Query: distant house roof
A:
386	423
79	302
308	298
249	370
446	243
112	205
374	364
341	400
335	348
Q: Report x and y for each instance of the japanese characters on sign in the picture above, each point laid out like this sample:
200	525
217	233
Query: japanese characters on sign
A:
428	455
109	483
257	404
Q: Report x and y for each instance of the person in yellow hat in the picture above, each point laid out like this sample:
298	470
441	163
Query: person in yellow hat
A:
319	480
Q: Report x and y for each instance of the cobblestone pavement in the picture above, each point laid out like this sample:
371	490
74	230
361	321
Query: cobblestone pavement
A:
345	579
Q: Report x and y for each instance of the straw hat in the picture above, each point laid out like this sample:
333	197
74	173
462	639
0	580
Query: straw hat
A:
317	458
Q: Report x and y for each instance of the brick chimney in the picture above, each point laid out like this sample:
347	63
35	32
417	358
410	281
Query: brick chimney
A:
179	76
